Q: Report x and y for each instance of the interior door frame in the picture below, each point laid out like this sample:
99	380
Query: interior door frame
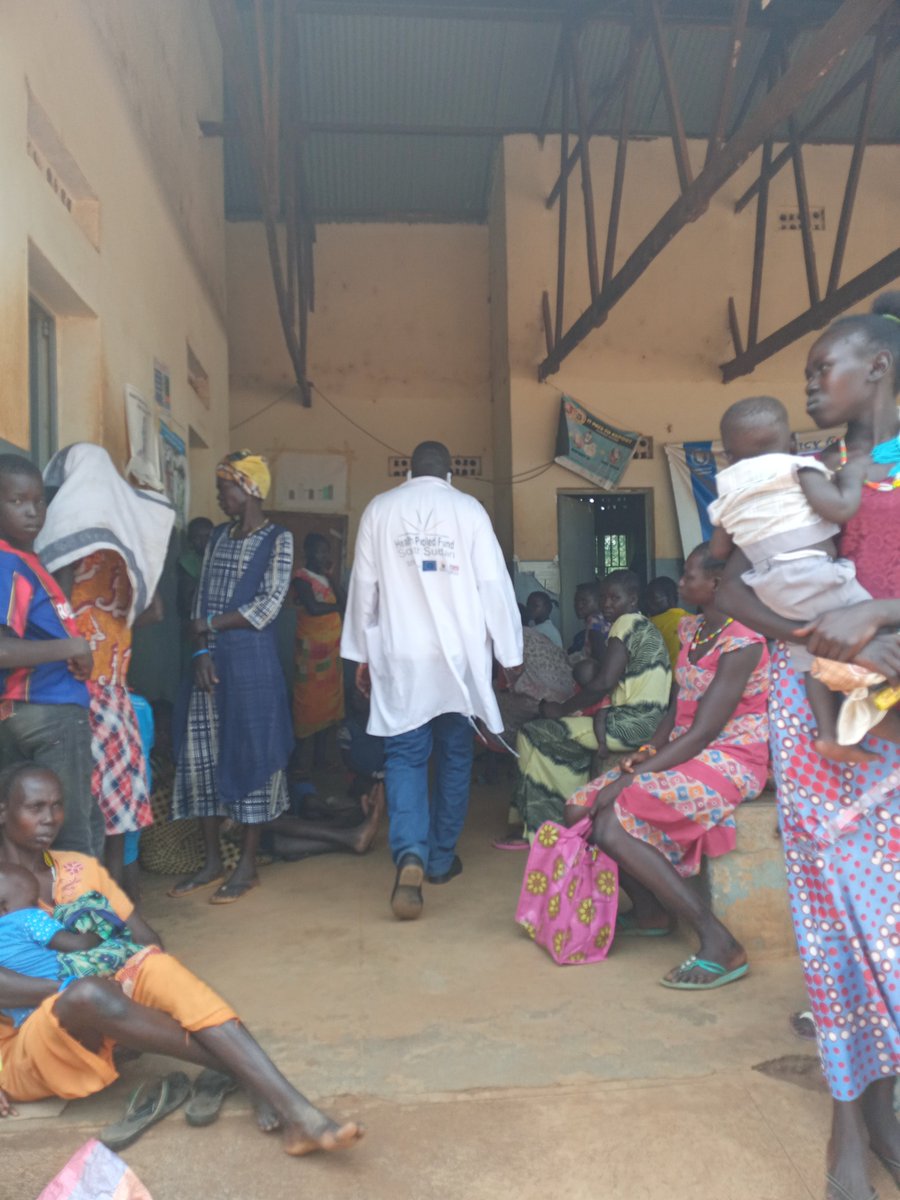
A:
649	515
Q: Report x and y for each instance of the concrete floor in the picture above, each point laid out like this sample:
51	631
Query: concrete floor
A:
482	1070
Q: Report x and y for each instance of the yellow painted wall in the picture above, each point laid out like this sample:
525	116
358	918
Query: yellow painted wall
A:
399	341
653	366
156	280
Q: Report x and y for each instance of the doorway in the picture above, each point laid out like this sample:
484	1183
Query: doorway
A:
330	525
601	532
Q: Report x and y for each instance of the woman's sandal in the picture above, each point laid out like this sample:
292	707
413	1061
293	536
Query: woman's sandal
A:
837	1191
720	975
890	1165
627	926
511	843
187	888
149	1103
230	893
803	1024
207	1096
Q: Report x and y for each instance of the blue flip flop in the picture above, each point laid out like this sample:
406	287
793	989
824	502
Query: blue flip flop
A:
627	926
722	975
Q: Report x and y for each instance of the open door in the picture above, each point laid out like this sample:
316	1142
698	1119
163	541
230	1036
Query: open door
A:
601	532
577	555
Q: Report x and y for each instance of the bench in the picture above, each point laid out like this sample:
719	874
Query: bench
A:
747	889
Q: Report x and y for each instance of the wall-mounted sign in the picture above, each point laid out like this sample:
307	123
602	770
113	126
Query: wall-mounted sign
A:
309	483
174	470
162	385
143	440
592	448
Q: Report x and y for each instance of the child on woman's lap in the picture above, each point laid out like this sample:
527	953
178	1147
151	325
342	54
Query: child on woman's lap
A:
784	511
33	943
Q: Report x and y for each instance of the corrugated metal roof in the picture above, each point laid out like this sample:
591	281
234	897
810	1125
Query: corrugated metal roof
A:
491	74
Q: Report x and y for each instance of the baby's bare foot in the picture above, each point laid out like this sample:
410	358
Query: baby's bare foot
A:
835	752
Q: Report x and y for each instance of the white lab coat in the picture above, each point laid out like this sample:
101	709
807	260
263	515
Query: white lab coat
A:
429	597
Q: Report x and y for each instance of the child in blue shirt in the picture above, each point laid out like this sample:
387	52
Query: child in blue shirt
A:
35	944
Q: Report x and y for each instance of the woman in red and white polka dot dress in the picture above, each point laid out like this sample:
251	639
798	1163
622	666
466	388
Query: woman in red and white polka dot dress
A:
841	824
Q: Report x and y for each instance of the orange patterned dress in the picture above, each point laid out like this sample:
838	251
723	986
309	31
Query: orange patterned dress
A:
101	598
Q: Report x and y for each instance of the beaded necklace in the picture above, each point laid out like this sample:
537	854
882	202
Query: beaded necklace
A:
886	454
704	641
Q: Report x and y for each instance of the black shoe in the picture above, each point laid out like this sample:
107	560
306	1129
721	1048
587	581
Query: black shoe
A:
455	869
406	898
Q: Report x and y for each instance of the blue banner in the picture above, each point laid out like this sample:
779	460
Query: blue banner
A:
701	462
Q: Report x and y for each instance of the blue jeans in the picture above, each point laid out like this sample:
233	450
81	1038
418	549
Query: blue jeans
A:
58	737
429	827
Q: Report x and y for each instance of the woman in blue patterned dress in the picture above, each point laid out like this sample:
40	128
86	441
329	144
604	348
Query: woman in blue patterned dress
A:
841	823
237	737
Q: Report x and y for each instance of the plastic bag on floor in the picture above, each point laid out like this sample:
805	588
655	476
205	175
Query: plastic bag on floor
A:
95	1173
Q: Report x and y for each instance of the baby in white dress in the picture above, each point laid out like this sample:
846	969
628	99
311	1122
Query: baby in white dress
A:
784	512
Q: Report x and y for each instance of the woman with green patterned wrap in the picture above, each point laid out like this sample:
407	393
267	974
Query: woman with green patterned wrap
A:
556	753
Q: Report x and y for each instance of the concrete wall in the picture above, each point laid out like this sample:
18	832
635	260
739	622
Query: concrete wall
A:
112	84
653	366
399	341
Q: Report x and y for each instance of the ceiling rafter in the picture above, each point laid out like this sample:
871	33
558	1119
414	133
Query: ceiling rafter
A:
812	63
749	354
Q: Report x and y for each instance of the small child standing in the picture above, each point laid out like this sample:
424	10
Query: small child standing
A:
44	661
35	944
784	512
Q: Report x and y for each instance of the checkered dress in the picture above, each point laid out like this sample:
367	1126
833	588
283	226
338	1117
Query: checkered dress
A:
119	779
195	793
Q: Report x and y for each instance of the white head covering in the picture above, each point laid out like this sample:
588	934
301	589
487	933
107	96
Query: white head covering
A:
95	509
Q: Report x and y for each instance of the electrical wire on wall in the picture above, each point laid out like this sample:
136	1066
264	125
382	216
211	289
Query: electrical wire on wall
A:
526	476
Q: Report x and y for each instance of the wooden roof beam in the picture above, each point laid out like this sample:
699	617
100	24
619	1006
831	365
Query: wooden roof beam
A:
828	46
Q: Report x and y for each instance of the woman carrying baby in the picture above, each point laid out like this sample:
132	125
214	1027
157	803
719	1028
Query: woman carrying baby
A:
65	1046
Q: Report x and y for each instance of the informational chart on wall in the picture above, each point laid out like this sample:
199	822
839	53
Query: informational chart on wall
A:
315	483
143	440
174	469
593	449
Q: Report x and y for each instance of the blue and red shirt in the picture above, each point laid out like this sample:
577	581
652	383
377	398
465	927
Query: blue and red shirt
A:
33	606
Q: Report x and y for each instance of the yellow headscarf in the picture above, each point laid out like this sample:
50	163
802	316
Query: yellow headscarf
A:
249	471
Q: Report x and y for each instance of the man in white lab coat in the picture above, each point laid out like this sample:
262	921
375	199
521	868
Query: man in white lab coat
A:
430	604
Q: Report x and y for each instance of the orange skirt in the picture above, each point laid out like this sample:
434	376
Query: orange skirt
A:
40	1059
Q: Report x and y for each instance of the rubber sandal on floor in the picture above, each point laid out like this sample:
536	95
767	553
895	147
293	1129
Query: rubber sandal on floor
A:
511	844
207	1097
178	892
722	975
627	926
837	1191
890	1165
238	892
149	1103
803	1025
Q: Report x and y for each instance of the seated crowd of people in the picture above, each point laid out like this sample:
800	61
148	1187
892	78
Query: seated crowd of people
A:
648	732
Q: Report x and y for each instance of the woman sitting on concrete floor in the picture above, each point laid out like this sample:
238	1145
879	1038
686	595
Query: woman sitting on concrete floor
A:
65	1047
324	825
555	753
674	800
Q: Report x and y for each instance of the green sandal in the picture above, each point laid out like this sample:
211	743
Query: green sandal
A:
722	975
627	926
149	1103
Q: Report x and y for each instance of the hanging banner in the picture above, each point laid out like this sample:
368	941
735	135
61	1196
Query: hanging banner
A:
693	467
174	464
592	448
